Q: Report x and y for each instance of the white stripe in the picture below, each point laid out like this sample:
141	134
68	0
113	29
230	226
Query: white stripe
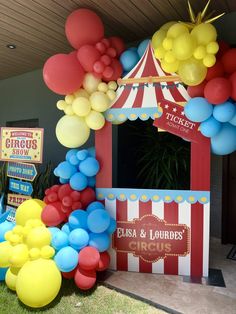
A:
183	92
158	210
184	262
149	97
111	208
206	222
133	262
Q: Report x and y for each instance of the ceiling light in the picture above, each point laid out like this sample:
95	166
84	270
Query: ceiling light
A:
11	46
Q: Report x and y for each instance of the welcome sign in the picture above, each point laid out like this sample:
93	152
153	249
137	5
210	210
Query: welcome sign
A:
20	144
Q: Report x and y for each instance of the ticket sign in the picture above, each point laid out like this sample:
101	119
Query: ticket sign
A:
16	199
21	144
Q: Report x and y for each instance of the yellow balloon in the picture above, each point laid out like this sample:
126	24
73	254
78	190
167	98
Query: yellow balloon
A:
5	253
61	104
212	47
90	83
170	67
158	38
167	25
18	230
72	131
102	87
47	251
169	57
159	52
38	282
112	85
30	209
99	101
11	277
176	30
19	255
192	72
183	46
32	223
81	106
111	95
167	43
34	253
199	52
204	33
81	93
15	239
68	110
69	99
38	237
95	120
209	60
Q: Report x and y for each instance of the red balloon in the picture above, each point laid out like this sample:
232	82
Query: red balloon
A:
84	279
233	83
89	258
104	261
83	27
69	275
229	60
52	197
98	67
52	214
87	196
55	187
87	56
75	195
108	72
64	190
217	70
63	74
118	44
76	205
101	47
217	90
111	52
67	201
117	67
223	47
197	90
106	59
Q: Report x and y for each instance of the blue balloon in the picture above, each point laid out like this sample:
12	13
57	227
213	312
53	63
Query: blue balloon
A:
98	221
66	228
78	239
66	170
225	141
129	59
112	227
78	219
93	206
224	112
53	230
66	259
4	227
124	73
82	154
142	47
233	120
133	49
101	241
74	160
211	127
92	151
59	240
92	181
70	153
3	273
89	167
64	181
78	181
198	109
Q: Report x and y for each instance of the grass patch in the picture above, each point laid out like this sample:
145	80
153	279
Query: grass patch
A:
70	300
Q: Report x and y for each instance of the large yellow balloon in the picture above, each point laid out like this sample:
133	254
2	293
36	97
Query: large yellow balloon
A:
81	106
11	277
95	120
90	83
72	131
192	72
30	209
158	38
5	253
99	101
176	30
38	237
183	46
204	33
38	282
19	255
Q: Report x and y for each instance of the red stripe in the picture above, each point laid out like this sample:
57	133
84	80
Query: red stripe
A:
171	216
103	144
196	239
178	97
144	209
121	215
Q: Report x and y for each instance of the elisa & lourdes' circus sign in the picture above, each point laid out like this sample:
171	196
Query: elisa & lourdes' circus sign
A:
151	238
21	144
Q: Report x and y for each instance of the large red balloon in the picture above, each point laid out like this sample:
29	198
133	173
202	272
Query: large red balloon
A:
229	60
233	83
63	74
87	196
197	90
104	261
87	56
85	279
83	27
117	71
89	258
118	44
217	90
217	70
52	214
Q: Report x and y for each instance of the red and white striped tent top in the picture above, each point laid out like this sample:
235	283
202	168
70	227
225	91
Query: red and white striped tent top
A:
140	99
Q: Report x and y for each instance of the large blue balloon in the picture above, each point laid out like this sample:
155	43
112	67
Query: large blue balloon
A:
59	240
224	112
3	273
78	181
78	238
233	120
94	205
211	127
198	109
142	47
65	170
66	259
98	221
112	226
101	241
4	227
224	142
89	167
78	219
129	59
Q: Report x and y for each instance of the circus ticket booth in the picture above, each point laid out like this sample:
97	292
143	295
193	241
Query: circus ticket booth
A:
158	231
